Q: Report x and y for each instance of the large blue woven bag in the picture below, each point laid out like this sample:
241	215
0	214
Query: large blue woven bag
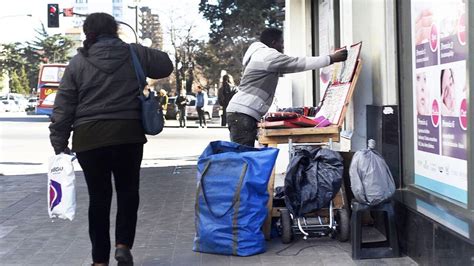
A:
231	198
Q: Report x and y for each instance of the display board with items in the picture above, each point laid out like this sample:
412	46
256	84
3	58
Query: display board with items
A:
331	110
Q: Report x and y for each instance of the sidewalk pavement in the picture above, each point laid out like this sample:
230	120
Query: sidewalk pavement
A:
165	229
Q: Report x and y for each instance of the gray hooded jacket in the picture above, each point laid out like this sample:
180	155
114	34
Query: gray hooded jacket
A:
102	86
263	65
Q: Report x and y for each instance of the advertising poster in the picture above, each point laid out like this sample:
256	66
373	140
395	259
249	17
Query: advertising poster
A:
440	96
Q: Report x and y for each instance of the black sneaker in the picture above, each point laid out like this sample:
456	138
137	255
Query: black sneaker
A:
124	257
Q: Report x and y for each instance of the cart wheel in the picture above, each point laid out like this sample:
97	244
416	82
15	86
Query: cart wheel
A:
286	231
343	225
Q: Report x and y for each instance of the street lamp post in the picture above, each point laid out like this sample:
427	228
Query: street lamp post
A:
136	16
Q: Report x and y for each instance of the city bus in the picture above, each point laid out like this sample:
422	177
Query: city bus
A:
49	77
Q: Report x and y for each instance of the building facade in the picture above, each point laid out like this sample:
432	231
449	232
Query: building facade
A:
150	27
140	18
412	96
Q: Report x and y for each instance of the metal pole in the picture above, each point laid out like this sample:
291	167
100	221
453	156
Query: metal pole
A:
123	23
136	19
470	97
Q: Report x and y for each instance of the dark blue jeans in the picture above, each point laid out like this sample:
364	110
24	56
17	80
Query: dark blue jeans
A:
243	128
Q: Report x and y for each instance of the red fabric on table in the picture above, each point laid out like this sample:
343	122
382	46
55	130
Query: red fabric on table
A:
277	116
278	124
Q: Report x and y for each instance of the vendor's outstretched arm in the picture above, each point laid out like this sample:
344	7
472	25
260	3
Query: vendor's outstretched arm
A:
278	62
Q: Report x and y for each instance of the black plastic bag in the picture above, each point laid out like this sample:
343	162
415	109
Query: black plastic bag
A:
312	179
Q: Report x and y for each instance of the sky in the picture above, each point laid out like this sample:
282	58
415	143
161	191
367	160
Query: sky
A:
15	25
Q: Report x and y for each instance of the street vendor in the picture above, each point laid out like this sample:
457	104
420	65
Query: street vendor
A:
264	62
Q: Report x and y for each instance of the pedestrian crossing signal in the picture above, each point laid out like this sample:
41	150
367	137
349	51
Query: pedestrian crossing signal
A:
53	16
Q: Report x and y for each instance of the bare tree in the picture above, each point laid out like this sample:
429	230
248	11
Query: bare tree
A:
184	47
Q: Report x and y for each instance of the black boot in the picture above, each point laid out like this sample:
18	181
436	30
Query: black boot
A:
124	256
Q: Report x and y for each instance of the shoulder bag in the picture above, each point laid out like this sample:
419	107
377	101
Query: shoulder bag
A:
152	115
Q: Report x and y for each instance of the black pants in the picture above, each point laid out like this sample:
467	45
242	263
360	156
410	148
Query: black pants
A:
202	119
182	117
123	161
224	117
243	128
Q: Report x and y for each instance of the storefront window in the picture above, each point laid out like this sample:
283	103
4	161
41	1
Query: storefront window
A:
439	63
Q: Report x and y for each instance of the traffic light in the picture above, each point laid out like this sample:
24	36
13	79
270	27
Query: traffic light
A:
53	16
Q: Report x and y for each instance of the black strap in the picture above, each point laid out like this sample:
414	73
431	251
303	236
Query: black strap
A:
236	197
138	70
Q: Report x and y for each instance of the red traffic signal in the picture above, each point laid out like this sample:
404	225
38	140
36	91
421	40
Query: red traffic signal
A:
53	15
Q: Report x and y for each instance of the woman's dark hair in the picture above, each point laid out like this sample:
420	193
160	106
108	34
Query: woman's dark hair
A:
225	81
269	35
95	25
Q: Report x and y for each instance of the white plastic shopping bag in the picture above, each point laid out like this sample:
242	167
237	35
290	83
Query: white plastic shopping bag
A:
61	187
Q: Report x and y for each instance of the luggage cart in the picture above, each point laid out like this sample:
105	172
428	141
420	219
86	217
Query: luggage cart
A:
332	221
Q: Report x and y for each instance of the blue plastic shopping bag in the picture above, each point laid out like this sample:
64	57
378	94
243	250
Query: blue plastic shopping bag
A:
231	198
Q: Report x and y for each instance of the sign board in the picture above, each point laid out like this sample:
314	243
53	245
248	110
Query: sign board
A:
439	48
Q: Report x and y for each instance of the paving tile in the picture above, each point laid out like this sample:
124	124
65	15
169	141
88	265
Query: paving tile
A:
187	259
165	230
156	261
213	259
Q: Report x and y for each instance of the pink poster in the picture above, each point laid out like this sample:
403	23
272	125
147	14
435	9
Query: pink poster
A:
439	42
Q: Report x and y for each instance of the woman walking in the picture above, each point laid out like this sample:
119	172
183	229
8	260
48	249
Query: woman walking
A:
97	100
226	92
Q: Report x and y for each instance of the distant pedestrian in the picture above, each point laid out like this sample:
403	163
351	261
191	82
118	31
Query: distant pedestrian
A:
225	94
201	103
182	102
163	100
98	100
263	63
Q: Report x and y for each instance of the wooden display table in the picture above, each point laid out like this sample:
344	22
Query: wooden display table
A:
273	137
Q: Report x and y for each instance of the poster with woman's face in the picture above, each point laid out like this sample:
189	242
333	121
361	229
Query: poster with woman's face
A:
440	96
422	94
453	110
453	89
427	111
448	93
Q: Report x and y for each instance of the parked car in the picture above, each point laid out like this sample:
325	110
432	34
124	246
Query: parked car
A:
172	108
172	111
3	107
215	106
19	99
10	103
32	103
210	110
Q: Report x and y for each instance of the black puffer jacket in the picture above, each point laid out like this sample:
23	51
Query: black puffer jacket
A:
102	86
